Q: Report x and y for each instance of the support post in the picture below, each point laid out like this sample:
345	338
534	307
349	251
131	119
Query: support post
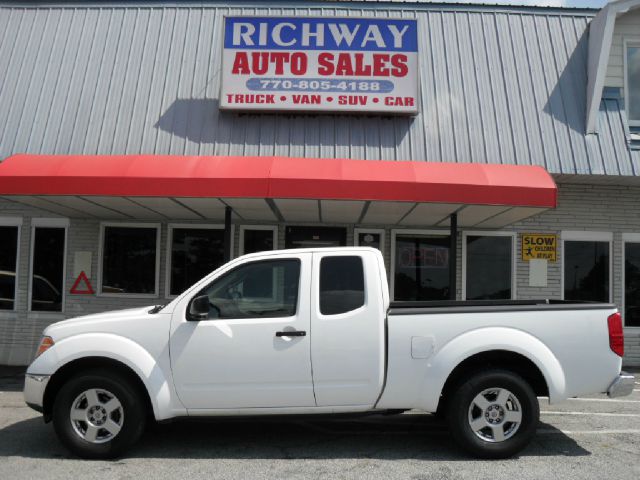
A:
453	256
227	234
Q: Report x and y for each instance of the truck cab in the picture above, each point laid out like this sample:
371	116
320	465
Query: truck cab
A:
275	319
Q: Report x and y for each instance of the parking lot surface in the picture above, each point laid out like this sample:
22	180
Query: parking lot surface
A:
583	438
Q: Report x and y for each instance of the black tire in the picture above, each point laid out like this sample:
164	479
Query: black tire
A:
132	422
463	409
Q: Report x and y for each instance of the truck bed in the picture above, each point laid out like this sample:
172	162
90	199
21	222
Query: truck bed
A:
567	340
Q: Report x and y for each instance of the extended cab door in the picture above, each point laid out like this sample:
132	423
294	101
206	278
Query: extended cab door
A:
347	320
240	355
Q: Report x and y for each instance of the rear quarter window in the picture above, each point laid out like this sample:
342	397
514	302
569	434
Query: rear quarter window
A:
341	284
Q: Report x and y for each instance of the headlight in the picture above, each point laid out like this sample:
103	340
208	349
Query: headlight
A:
45	344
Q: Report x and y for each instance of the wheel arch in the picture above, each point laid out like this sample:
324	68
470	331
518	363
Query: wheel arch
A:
500	347
87	350
502	359
73	367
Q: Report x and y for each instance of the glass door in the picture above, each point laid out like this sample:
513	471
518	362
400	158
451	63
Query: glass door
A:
314	237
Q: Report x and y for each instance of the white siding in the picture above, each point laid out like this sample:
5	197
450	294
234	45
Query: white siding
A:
627	25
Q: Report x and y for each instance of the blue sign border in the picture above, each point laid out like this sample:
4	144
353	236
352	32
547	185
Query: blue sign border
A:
289	34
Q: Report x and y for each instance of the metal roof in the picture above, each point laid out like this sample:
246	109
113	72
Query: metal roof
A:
503	86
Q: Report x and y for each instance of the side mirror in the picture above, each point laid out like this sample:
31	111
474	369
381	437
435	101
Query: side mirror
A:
199	308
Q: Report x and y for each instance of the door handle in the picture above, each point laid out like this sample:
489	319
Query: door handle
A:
292	333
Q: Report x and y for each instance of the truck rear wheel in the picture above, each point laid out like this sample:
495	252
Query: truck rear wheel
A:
98	414
493	414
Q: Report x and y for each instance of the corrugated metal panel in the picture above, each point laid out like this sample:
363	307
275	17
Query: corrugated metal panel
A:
498	86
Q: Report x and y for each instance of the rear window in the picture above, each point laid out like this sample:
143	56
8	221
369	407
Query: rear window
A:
341	284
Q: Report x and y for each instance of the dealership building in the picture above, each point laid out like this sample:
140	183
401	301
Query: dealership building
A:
489	152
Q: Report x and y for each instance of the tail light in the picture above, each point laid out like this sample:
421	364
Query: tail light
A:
616	335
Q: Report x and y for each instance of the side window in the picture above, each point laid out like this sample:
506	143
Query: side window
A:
129	258
586	270
263	289
195	252
8	266
341	284
47	266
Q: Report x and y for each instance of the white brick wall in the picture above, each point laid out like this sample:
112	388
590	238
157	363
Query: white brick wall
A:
581	207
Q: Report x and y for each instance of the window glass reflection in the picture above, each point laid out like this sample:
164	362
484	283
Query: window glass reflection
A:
48	268
257	241
195	252
129	260
488	273
586	271
8	261
632	284
421	268
315	237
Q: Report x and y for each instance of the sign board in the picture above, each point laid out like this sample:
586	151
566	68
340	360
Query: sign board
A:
86	290
82	263
537	272
539	246
320	64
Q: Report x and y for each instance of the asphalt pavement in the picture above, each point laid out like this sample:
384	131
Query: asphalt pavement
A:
587	438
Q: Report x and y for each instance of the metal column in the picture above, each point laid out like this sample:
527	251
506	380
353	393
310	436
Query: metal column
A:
227	234
453	256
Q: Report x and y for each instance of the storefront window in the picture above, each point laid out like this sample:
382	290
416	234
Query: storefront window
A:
47	269
129	260
195	252
421	270
488	267
632	284
586	270
257	239
8	264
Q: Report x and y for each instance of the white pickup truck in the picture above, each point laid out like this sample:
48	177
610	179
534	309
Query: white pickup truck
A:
312	331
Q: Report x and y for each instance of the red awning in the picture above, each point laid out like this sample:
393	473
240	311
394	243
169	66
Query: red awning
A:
276	178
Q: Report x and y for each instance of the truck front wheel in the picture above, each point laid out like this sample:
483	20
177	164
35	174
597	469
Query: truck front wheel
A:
493	414
98	414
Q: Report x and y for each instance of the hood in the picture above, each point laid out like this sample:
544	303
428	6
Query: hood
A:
111	321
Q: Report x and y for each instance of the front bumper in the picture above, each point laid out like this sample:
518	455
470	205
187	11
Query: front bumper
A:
34	387
621	386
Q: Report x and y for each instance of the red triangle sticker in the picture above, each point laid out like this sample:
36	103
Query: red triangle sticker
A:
88	290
